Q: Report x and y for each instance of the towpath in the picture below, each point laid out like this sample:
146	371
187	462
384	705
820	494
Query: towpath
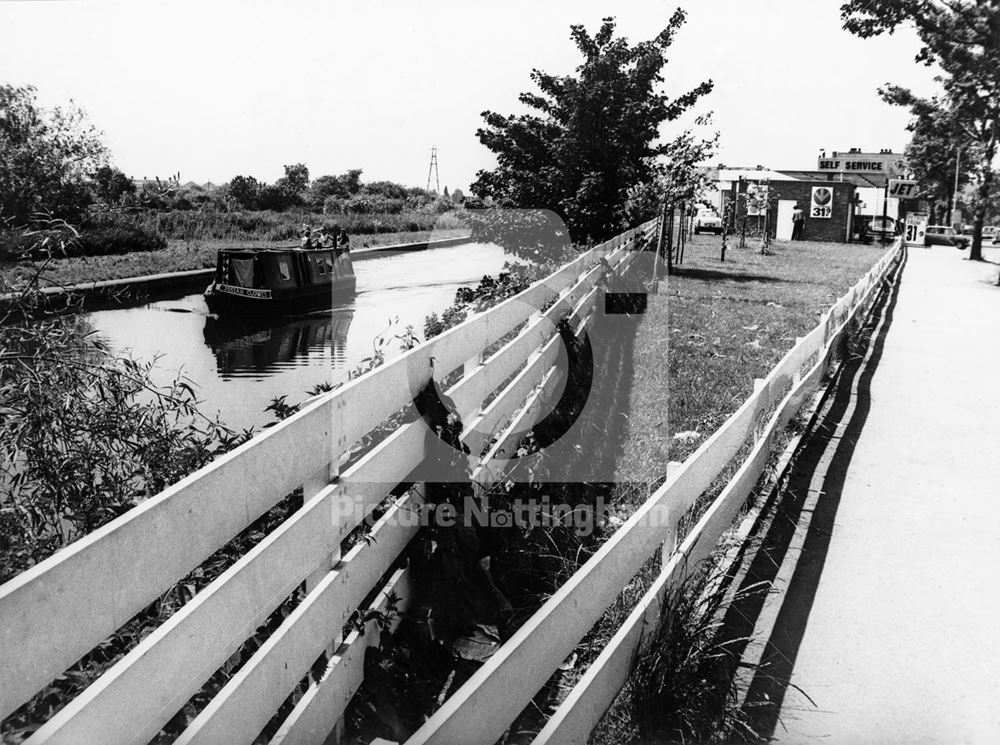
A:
883	625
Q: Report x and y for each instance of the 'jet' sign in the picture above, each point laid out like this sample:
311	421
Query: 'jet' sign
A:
900	188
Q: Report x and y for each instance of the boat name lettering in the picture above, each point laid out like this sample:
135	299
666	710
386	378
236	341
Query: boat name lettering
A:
244	291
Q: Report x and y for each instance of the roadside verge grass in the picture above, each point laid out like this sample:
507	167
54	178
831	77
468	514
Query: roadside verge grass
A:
716	326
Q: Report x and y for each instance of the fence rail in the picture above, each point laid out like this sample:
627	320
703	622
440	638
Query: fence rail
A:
488	703
56	612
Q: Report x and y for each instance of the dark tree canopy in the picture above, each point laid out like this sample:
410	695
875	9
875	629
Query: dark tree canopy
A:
937	147
295	181
594	135
962	37
243	192
47	158
112	185
342	186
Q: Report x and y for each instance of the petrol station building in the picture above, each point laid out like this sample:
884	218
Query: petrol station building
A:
839	197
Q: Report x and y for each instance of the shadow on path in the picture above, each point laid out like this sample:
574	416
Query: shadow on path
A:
810	497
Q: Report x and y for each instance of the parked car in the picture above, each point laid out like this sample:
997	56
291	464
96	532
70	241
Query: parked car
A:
879	228
707	221
945	235
991	234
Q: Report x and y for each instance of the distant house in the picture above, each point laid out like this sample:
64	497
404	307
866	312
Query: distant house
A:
140	183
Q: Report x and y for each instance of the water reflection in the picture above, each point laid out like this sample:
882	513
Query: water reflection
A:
239	370
243	348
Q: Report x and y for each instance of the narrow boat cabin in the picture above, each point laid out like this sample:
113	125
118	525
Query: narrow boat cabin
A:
288	278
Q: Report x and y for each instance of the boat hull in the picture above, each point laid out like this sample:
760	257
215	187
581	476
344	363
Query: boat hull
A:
223	301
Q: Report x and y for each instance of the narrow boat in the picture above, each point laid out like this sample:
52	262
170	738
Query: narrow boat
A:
279	281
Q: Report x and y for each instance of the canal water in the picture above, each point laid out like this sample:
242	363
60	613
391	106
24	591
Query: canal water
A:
237	371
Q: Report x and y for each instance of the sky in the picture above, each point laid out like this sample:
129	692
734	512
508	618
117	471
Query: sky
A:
215	88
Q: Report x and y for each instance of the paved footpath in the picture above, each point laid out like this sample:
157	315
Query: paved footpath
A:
899	638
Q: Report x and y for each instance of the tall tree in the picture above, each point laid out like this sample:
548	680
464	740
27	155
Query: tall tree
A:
295	181
243	192
342	186
937	148
970	197
47	158
594	136
962	37
111	184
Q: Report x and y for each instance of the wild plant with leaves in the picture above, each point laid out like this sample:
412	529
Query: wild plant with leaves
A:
85	436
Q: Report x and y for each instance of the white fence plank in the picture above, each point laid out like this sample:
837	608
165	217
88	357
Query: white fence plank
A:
322	706
533	386
123	566
246	703
139	694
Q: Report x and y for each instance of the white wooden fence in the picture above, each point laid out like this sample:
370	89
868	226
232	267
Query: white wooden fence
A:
482	709
58	611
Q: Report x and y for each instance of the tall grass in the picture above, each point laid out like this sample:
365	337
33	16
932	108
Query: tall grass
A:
682	689
279	226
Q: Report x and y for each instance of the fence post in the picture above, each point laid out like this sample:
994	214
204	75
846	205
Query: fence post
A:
682	243
310	488
726	214
669	229
661	227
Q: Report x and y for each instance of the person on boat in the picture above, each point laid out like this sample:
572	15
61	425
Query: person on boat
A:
343	241
326	240
305	239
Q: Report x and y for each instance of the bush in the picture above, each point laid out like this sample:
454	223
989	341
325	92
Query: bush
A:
20	244
265	225
367	204
87	435
101	240
333	205
119	239
489	292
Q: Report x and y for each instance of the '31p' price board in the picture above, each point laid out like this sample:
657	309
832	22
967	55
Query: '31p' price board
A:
822	202
916	229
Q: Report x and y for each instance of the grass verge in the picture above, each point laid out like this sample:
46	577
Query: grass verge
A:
716	326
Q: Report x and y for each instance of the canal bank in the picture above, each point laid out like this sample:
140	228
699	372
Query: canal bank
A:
116	293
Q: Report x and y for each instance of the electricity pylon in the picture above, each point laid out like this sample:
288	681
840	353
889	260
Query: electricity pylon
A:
433	168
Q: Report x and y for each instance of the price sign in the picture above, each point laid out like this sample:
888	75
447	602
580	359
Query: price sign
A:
901	188
822	202
915	228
